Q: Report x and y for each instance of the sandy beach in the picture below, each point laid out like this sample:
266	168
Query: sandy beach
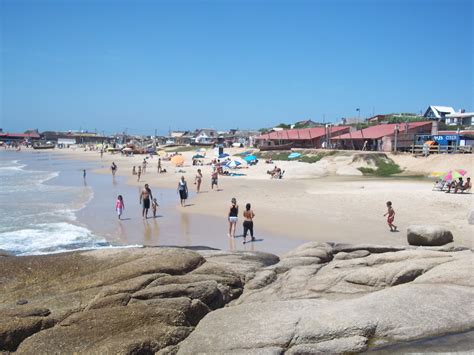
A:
326	201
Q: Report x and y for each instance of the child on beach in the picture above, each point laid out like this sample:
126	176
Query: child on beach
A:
390	216
119	206
139	172
154	206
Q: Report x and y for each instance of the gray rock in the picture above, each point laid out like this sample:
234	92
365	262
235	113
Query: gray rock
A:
428	235
470	216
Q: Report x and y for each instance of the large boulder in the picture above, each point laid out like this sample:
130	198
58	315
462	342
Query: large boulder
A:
134	300
428	235
470	216
363	297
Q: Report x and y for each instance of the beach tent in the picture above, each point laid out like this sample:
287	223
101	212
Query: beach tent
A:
250	158
177	160
233	164
294	155
198	156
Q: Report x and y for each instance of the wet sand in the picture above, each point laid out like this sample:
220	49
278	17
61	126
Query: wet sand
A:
172	225
314	202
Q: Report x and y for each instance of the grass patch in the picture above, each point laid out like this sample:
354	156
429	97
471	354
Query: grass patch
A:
181	149
309	158
384	167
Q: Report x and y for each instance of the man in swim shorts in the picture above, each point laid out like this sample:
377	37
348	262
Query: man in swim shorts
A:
145	196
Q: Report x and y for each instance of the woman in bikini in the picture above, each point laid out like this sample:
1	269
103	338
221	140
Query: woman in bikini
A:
198	180
233	217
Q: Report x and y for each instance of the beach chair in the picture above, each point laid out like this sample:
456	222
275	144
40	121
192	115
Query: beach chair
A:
439	185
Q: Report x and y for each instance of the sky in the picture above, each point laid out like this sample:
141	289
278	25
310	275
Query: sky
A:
143	65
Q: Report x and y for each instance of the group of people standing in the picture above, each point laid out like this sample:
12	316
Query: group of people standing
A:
233	217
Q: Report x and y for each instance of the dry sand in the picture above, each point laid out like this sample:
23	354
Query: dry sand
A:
325	201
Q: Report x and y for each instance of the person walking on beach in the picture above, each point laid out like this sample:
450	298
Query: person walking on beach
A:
154	206
144	166
198	180
145	196
119	206
139	172
183	191
390	216
113	167
248	222
159	165
214	177
134	170
233	217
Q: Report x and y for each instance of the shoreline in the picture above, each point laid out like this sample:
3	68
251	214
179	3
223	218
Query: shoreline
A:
312	208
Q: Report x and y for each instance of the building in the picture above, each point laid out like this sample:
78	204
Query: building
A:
19	137
205	135
461	118
301	138
438	113
305	124
67	139
383	137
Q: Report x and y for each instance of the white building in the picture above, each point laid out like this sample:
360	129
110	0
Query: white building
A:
448	115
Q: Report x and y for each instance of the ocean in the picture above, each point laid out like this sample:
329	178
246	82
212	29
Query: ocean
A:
47	207
37	213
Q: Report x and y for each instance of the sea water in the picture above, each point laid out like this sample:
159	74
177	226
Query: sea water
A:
38	216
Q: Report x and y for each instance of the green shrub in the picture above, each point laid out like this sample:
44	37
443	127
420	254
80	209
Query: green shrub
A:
384	167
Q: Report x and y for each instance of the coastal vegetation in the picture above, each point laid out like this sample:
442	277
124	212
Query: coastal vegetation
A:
310	158
382	165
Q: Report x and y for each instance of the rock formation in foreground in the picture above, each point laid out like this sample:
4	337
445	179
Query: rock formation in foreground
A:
321	297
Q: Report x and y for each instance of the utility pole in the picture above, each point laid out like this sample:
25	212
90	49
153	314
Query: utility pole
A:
396	136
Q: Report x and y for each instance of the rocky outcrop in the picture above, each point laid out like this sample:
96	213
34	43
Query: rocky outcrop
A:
318	298
136	300
348	299
428	235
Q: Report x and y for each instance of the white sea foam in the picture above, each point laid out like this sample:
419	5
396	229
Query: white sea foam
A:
36	218
49	237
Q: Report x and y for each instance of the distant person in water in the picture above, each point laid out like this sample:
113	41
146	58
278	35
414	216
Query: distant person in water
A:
233	217
119	206
198	180
84	174
183	191
248	222
145	196
113	167
139	172
154	206
390	216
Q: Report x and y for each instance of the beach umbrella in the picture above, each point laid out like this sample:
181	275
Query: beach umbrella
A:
455	174
438	174
177	160
198	156
243	154
294	155
233	164
250	158
223	155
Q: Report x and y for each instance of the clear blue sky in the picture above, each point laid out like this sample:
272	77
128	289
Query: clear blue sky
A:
146	65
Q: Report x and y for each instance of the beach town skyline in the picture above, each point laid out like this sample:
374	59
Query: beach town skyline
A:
112	66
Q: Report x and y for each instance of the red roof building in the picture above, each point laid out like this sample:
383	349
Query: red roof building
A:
18	136
382	137
302	137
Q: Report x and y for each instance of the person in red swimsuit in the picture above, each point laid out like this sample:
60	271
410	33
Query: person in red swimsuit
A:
390	216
